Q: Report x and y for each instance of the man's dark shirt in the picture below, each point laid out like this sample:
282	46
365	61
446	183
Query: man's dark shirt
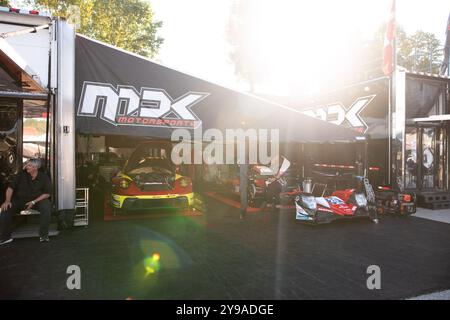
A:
26	189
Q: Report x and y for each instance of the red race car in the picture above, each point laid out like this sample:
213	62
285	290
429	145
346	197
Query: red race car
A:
150	180
260	177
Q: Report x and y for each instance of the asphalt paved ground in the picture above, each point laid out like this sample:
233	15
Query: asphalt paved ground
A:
219	256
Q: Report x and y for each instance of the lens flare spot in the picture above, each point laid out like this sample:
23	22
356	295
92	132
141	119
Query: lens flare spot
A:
151	264
149	271
156	256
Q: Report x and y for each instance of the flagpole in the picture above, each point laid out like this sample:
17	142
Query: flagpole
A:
393	78
392	96
389	130
394	41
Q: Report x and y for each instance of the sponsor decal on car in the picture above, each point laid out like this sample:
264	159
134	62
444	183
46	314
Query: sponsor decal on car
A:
334	200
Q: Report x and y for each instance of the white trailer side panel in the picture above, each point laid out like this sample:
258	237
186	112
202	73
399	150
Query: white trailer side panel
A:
65	116
34	48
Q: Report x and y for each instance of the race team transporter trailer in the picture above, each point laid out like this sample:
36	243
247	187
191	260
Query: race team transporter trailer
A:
37	114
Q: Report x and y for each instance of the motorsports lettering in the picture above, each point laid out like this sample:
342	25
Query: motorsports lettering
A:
124	105
336	113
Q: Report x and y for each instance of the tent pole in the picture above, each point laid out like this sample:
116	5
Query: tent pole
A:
243	183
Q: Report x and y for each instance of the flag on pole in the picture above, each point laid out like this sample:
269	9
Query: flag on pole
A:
388	50
445	63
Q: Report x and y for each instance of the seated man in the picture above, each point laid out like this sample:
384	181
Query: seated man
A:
29	189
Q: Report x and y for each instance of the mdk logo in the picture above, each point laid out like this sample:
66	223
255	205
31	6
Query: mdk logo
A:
336	113
125	105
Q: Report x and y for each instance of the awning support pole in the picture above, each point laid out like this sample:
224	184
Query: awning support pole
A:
24	31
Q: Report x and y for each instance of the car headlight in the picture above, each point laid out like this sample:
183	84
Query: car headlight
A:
124	184
309	202
184	182
361	200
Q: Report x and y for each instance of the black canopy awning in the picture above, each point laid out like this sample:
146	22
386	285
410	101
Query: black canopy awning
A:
120	93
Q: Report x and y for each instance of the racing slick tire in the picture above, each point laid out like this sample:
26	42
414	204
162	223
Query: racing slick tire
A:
373	213
253	201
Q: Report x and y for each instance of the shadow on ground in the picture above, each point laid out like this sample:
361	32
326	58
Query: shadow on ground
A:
219	256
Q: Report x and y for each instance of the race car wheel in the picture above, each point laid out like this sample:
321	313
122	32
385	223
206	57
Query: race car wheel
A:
380	207
8	163
373	213
251	195
10	160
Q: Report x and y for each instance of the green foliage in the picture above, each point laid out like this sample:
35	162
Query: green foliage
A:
420	52
126	24
4	3
413	51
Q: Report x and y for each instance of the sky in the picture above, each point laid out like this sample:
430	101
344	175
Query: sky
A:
195	34
295	39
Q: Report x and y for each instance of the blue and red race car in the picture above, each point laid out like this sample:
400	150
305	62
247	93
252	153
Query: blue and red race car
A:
341	204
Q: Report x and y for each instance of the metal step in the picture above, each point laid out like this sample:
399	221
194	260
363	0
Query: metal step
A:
436	205
433	197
